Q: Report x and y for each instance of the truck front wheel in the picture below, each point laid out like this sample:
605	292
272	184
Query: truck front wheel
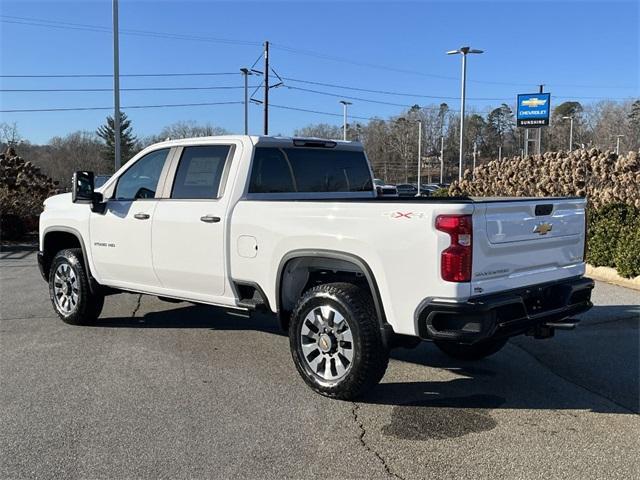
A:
474	351
69	289
336	342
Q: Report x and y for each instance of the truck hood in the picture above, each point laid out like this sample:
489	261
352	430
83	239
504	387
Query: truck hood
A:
62	199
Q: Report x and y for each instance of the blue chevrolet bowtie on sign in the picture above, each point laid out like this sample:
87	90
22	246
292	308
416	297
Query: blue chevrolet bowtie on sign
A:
533	109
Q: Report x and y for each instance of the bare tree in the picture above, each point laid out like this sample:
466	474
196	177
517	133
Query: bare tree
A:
9	134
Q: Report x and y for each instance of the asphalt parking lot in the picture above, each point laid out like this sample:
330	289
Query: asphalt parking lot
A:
160	390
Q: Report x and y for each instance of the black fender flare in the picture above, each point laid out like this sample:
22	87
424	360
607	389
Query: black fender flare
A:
385	329
93	284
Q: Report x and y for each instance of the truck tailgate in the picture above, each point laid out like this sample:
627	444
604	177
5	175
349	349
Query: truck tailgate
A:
526	242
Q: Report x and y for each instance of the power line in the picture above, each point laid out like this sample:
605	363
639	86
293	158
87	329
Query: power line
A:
174	36
360	99
288	79
80	109
424	74
110	75
135	89
299	109
39	22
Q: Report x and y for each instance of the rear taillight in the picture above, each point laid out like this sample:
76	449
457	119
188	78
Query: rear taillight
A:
455	260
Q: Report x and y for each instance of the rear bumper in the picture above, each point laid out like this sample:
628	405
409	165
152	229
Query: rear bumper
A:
504	314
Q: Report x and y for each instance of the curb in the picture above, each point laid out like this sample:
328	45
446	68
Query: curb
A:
610	275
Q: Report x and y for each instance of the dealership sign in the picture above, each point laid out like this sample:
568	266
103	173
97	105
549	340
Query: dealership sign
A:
533	109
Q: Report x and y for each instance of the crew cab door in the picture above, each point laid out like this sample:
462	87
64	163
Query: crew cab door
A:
121	236
189	225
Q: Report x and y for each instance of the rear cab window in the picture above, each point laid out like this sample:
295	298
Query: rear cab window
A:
291	170
200	172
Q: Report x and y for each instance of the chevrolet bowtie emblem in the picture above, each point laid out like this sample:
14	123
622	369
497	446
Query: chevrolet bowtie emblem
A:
543	228
534	102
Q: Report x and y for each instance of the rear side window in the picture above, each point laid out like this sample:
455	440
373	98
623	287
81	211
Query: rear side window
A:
286	170
199	172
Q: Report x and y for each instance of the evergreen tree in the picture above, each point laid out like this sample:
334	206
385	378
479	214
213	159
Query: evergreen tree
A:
634	116
500	128
128	141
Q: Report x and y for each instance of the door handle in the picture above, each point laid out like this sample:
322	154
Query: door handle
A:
210	219
141	216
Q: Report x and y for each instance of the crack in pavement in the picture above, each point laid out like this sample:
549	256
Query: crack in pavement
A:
354	412
572	382
137	307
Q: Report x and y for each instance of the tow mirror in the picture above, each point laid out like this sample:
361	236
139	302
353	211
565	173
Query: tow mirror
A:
83	184
82	191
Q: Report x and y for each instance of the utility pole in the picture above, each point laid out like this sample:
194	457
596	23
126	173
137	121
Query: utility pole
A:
475	152
540	129
246	73
345	104
116	88
570	131
441	159
419	155
618	137
464	51
266	88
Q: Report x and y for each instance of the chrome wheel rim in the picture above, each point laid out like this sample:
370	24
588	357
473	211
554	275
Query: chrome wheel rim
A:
66	288
327	343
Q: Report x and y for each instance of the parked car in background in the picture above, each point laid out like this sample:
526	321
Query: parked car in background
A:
407	190
384	189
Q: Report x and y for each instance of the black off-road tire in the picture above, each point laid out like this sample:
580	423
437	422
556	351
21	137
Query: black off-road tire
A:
89	305
370	356
476	351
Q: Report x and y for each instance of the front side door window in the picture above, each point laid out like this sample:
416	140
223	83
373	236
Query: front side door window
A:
141	179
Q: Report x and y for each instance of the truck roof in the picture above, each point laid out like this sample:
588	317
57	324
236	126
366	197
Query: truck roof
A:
267	140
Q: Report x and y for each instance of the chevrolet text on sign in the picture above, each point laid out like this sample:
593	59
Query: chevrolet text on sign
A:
533	109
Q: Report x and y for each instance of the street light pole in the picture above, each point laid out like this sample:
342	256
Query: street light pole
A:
464	51
475	152
441	159
246	73
419	155
116	88
344	118
570	118
618	137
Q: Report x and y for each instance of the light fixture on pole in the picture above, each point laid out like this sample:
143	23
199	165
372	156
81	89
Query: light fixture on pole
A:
116	88
570	117
618	137
345	104
464	51
245	73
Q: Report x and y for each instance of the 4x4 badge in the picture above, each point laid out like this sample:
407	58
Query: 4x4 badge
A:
543	228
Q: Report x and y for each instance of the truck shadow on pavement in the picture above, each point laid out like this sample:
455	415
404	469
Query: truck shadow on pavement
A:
512	379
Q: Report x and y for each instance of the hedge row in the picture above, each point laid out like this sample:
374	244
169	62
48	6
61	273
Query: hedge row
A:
604	177
23	189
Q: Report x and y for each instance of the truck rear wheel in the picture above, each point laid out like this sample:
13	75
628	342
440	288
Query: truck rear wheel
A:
474	351
336	342
69	289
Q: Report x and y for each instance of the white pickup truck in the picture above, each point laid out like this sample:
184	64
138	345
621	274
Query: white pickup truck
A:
295	227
